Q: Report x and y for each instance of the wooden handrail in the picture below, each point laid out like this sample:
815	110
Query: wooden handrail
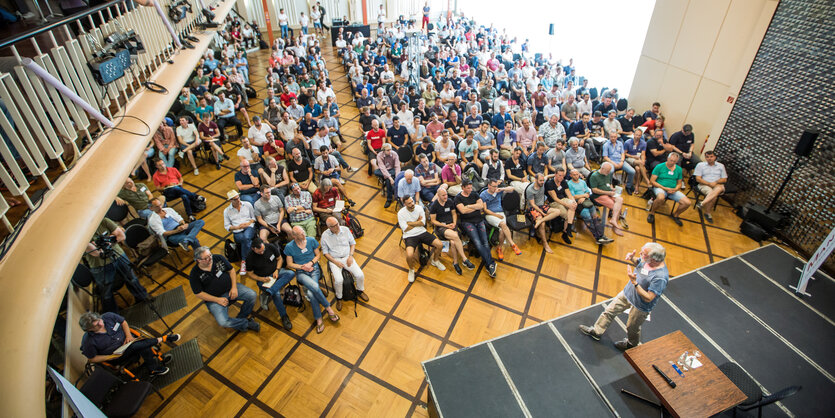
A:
38	267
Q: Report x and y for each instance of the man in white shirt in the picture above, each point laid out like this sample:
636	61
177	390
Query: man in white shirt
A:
189	140
552	108
338	247
304	22
287	127
386	76
167	224
257	133
412	221
405	115
239	219
585	105
283	21
711	176
248	153
610	124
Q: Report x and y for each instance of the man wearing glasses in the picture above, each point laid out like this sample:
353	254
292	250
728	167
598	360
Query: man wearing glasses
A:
338	246
213	280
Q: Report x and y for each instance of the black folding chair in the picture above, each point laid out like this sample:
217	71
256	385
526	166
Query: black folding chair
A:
115	397
752	390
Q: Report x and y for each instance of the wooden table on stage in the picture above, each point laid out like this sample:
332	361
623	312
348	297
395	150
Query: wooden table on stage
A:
702	392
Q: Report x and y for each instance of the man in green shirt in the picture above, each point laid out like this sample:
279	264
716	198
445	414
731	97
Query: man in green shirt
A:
603	194
667	183
138	196
105	258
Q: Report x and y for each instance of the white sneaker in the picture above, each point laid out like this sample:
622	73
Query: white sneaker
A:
341	180
649	204
196	172
181	154
437	265
243	268
411	275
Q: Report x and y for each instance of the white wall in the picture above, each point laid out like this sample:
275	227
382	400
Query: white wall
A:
695	57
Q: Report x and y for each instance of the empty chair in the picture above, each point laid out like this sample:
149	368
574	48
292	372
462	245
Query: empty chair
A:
114	397
752	390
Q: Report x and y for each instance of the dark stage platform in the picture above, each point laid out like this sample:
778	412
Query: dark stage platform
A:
739	309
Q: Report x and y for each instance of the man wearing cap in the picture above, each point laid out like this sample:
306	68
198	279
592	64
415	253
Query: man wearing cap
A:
239	219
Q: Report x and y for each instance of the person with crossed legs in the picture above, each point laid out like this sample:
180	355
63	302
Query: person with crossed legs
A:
303	255
540	212
444	219
494	214
470	207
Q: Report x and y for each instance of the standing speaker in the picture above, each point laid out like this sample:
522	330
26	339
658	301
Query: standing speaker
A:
551	29
807	143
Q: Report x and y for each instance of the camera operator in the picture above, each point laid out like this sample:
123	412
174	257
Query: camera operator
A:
105	258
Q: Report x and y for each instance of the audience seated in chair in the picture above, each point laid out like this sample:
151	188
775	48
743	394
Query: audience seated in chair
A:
213	280
711	177
338	247
667	184
167	224
170	181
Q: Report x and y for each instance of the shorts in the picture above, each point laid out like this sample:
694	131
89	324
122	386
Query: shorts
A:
424	238
440	231
535	214
317	24
675	197
705	189
494	221
634	162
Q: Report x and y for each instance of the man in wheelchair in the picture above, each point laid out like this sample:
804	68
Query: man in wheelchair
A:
106	335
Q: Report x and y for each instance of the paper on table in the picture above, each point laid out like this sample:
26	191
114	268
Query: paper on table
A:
339	205
692	362
269	284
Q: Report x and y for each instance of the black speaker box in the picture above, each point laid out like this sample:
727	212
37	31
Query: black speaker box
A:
754	231
807	143
758	214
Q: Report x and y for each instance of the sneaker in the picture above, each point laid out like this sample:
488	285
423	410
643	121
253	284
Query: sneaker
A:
363	297
708	217
516	249
623	345
217	165
338	304
677	220
161	371
184	245
172	338
196	172
180	154
457	268
492	270
191	218
499	253
243	268
411	275
590	332
651	218
353	169
253	325
468	264
286	323
351	203
604	240
649	204
388	203
566	238
438	265
166	358
264	298
341	180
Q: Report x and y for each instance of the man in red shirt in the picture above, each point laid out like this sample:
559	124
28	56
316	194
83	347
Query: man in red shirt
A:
324	199
274	148
375	138
286	96
210	134
170	181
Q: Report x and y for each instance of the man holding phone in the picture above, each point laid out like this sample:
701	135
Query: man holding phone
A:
646	284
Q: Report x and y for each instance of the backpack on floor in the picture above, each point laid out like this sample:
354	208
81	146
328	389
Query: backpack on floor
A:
198	205
423	255
349	289
230	251
293	296
354	224
250	92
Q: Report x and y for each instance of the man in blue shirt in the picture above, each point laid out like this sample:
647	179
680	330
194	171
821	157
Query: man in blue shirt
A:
613	152
495	217
646	284
225	112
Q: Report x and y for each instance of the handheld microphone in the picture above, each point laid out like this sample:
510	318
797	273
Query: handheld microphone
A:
669	381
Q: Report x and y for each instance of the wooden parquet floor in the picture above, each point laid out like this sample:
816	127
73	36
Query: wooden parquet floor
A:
369	365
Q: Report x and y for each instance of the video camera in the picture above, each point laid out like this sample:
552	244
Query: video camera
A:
104	243
177	11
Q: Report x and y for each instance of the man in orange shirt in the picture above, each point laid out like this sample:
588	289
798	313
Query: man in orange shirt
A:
170	181
375	139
